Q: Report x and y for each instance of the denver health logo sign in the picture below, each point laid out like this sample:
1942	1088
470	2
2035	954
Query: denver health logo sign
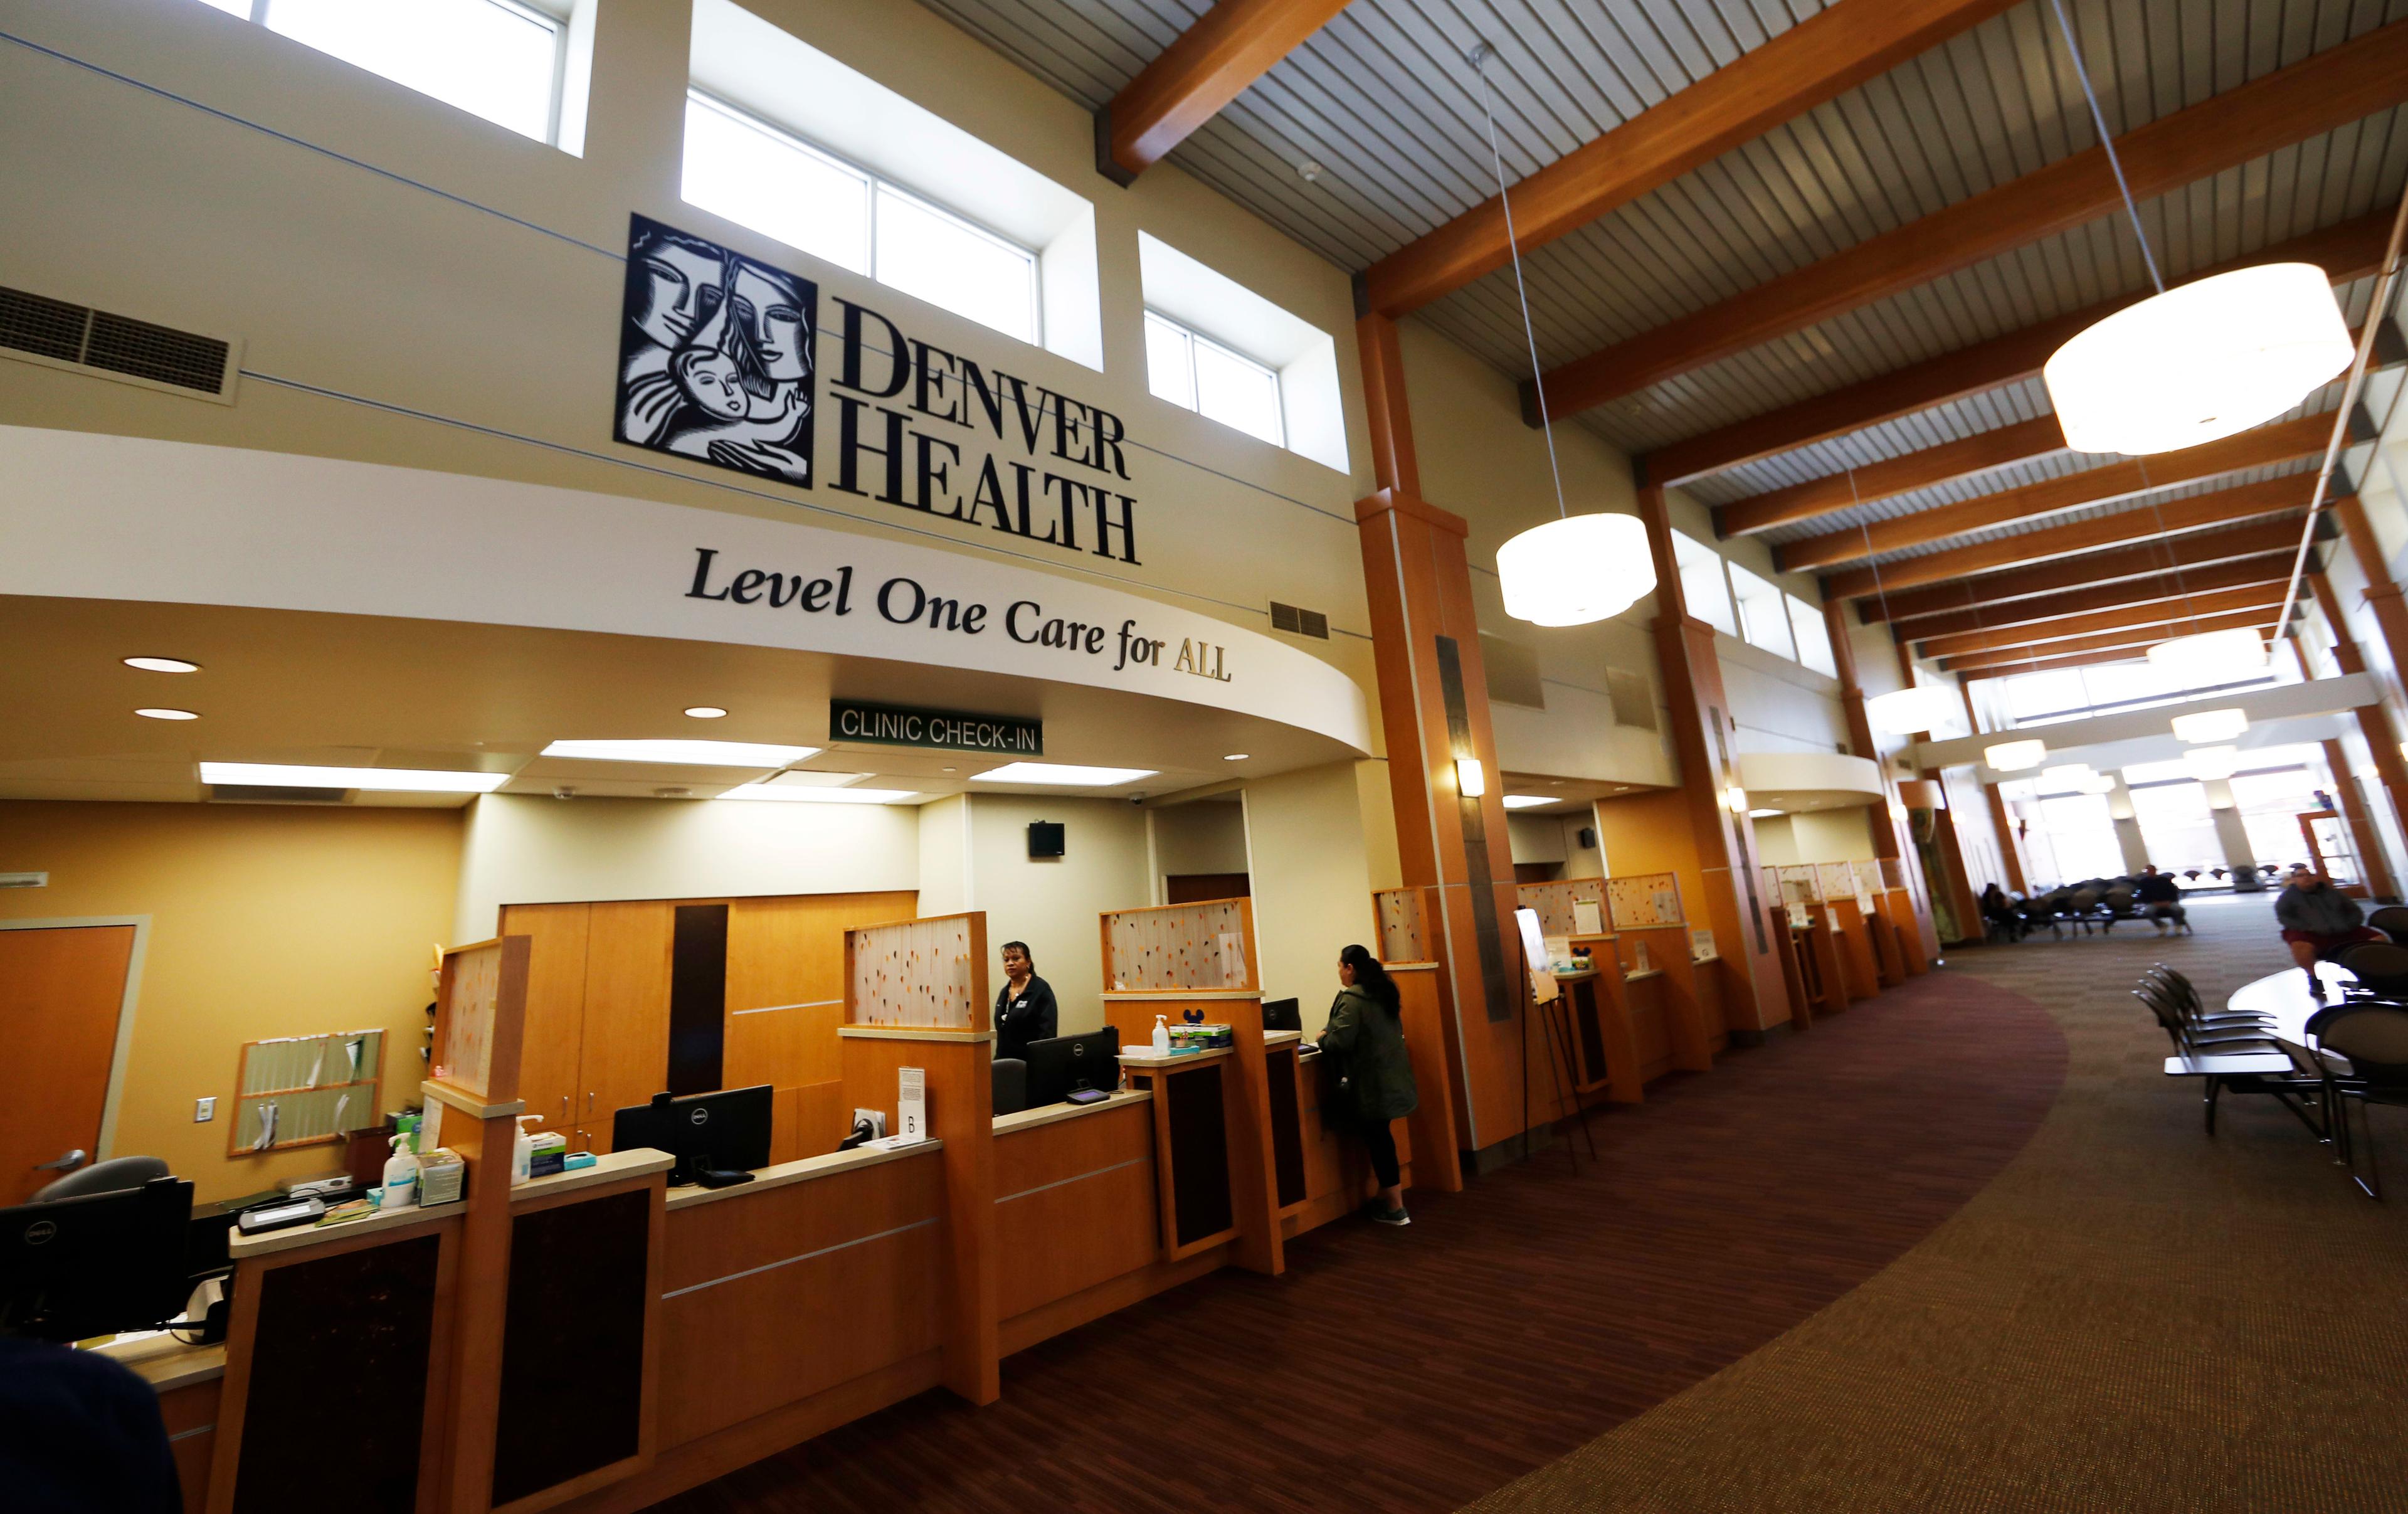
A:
716	364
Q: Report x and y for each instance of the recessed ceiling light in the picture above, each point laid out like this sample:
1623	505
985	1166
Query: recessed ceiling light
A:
379	780
1236	757
1062	774
163	665
791	794
1524	802
1758	814
686	753
949	770
166	714
705	711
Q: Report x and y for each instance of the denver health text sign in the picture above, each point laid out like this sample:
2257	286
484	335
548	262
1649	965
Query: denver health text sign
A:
942	730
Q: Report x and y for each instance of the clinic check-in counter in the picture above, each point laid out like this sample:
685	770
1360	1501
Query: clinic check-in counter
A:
1078	1228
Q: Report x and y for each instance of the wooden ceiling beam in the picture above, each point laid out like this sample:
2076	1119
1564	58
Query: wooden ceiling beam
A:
2225	506
2351	251
2175	556
1212	64
2272	567
2321	92
1812	63
2140	636
1891	477
2046	665
2042	632
2265	447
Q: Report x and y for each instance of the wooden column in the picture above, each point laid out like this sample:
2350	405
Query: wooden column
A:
1433	710
1890	837
1725	837
2383	596
2374	872
2010	846
2374	724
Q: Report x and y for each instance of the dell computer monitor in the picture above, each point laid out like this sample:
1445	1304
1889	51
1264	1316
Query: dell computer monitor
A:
1062	1066
1283	1014
715	1138
96	1265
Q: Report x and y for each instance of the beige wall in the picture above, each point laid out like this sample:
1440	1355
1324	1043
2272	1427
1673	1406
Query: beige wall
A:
1056	905
384	298
1312	889
264	921
523	849
1208	836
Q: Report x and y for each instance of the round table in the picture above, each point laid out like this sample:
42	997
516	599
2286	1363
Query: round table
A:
2284	999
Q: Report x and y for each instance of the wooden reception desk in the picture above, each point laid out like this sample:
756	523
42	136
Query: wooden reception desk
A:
651	1339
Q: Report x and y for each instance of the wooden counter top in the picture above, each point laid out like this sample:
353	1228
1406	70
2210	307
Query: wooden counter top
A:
1159	994
1029	1120
1278	1038
165	1362
635	1162
800	1171
241	1248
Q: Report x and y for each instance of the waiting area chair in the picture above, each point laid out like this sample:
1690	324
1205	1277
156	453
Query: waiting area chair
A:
2392	920
2234	1053
2380	967
2362	1046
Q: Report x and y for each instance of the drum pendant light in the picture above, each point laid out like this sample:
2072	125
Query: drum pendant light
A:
2188	366
1903	711
2211	656
1574	570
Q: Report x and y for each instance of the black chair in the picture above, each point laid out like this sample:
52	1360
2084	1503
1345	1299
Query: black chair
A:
2380	967
2195	1012
2373	1039
2392	920
2300	1089
1011	1085
111	1177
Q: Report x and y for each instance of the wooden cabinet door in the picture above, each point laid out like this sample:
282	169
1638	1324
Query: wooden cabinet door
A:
61	991
625	1055
550	1059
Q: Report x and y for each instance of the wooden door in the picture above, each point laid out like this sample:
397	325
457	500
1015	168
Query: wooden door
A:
61	991
551	1057
1200	888
624	1059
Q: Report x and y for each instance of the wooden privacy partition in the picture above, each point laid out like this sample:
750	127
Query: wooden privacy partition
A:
1197	962
1653	943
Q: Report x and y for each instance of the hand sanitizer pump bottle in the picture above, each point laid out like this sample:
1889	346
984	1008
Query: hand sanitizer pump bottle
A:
400	1177
1161	1037
522	1152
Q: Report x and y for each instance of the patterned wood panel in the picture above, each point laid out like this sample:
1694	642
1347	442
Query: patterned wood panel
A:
919	973
1645	899
1187	946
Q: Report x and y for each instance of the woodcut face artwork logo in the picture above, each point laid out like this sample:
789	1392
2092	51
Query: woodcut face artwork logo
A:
716	363
715	356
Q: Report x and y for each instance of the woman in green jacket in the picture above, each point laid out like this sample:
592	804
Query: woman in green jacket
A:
1366	1031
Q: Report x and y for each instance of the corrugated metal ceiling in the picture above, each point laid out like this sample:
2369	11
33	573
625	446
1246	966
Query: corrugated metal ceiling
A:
1384	101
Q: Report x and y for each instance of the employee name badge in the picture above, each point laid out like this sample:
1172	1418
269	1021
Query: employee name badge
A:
912	1106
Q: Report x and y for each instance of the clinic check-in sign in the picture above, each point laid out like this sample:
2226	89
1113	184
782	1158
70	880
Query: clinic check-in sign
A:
856	723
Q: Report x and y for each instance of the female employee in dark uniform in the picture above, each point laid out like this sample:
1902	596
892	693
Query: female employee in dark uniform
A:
1025	1009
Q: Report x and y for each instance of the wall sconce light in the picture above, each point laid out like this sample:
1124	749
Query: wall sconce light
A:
1469	781
1736	798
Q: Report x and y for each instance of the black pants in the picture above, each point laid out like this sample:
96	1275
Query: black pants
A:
1380	1142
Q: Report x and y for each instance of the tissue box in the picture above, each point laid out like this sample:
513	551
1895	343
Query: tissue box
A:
440	1176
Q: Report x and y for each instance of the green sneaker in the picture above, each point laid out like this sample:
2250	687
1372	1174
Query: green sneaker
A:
1391	1216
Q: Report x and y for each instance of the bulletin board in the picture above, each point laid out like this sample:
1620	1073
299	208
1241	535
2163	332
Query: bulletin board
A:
1207	945
1403	915
926	975
1645	899
1558	905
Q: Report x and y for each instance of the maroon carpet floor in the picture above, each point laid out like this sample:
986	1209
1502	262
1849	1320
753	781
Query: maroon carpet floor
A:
1418	1369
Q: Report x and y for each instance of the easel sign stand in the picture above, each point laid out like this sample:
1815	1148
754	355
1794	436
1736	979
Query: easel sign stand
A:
1556	1027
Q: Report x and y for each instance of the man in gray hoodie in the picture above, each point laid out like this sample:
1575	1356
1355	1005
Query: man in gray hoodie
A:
2318	919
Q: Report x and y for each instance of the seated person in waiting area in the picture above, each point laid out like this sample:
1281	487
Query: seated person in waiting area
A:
2318	919
2160	900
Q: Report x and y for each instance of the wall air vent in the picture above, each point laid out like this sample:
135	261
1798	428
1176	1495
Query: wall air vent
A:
1512	671
1633	697
273	794
1288	618
24	880
54	333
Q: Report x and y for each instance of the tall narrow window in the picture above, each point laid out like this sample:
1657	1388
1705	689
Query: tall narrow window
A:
1702	584
492	58
1763	613
1813	636
1195	373
742	167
